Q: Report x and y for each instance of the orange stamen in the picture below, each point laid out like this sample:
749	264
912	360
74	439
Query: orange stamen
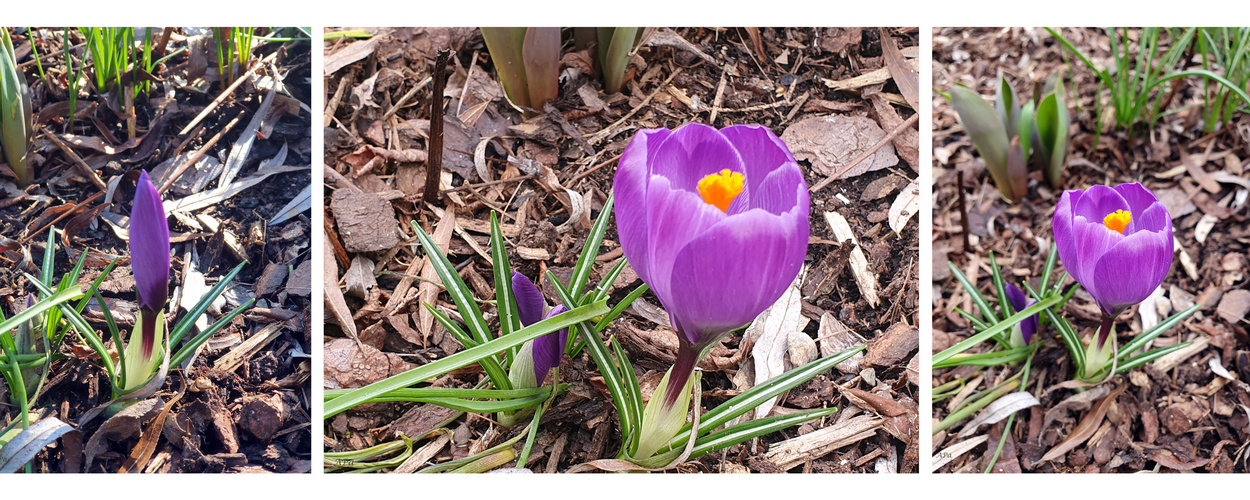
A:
721	188
1117	221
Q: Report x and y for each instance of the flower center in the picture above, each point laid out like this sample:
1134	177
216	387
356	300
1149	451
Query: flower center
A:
721	188
1117	221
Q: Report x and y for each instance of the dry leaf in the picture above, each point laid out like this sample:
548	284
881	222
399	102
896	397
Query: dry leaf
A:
771	331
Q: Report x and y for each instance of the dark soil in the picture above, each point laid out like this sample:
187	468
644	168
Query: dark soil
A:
250	415
581	426
1179	416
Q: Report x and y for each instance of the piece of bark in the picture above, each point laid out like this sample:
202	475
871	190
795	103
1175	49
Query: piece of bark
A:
893	346
366	221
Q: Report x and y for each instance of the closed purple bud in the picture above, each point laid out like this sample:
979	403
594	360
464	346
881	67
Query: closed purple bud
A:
1116	242
529	299
1019	303
149	254
549	348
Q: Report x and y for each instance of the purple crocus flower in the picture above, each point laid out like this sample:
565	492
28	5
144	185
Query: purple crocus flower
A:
716	223
1116	242
1020	302
149	256
547	349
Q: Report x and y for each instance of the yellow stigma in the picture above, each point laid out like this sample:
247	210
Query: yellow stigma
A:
721	188
1117	221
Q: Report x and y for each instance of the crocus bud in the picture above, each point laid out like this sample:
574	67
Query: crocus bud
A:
716	223
1023	332
149	261
539	356
1116	242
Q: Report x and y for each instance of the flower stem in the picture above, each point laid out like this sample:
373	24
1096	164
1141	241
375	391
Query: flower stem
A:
687	356
1105	329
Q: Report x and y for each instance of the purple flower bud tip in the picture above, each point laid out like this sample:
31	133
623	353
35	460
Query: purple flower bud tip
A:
548	348
149	254
1020	302
1116	242
715	221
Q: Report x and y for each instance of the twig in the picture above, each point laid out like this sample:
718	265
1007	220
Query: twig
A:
222	98
573	181
611	129
720	92
963	209
434	164
404	100
82	165
863	156
199	153
62	217
468	79
486	184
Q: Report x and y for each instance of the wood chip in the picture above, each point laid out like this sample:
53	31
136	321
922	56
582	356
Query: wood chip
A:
864	277
243	352
793	452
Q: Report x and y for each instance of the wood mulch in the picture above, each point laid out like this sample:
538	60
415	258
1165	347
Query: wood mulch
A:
1187	412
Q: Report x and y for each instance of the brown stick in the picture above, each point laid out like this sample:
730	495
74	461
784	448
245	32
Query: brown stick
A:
487	184
963	209
864	156
222	98
434	165
82	165
63	216
199	153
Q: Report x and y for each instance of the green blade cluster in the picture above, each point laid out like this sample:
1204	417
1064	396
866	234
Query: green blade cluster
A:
528	63
1003	153
1007	134
1050	134
15	111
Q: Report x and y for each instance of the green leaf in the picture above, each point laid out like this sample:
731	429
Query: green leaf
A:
755	396
752	429
997	328
462	358
985	127
586	261
461	295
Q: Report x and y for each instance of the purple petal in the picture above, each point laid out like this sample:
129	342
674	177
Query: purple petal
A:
728	275
1016	297
762	153
674	218
1093	239
549	348
1028	327
1062	229
1131	270
1139	198
693	152
149	245
779	192
529	299
629	189
1099	201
